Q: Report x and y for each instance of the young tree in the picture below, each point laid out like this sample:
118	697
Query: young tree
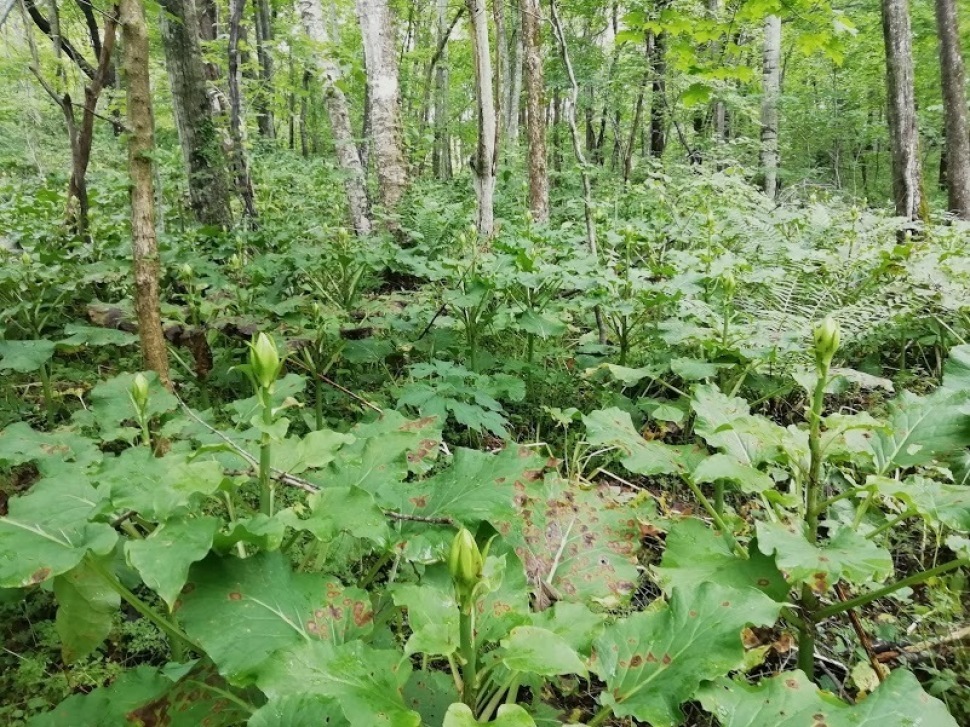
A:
484	161
237	126
205	160
901	112
380	57
957	129
141	144
535	109
348	156
771	90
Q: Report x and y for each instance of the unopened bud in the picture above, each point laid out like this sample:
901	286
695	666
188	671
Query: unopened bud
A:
185	271
827	338
729	284
264	360
465	564
139	392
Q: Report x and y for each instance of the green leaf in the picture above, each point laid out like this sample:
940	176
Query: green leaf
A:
432	613
922	428
79	335
54	453
269	607
260	531
509	715
695	369
164	557
336	510
573	622
111	404
724	468
936	502
791	700
195	699
47	532
316	450
540	324
725	423
696	94
654	661
367	683
614	427
430	693
848	555
696	554
956	370
537	650
299	710
86	606
25	356
107	705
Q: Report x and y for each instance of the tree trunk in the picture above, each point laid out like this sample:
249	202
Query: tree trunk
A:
515	89
237	126
535	110
264	99
771	90
205	162
483	162
441	153
719	112
141	144
658	92
304	101
901	111
957	131
348	157
384	117
503	66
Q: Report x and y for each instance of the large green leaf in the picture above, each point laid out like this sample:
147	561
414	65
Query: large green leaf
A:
336	510
53	452
163	558
725	468
111	404
269	607
581	542
25	356
314	451
80	335
367	683
299	710
86	606
509	715
573	622
654	661
848	555
937	502
48	533
107	705
726	423
430	693
432	613
613	427
540	651
791	700
696	554
922	428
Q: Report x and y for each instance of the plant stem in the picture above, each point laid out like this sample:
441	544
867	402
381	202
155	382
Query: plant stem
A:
827	503
45	382
266	485
469	669
163	624
716	517
601	716
719	497
913	580
891	524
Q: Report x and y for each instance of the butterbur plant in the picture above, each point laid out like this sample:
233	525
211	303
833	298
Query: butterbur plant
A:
264	368
139	400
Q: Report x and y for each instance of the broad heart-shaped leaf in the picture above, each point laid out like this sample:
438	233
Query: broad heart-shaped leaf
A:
614	427
158	487
478	486
573	622
299	710
430	693
848	555
111	403
367	683
47	532
725	468
922	428
937	502
956	370
336	510
432	613
261	531
539	324
86	606
537	650
696	554
53	452
163	558
317	449
582	542
726	423
195	699
79	335
791	700
654	661
25	356
107	705
509	715
269	607
506	604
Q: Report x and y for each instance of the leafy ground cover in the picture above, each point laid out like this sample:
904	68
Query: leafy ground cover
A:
721	512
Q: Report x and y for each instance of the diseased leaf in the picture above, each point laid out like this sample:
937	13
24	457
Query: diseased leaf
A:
791	700
654	661
430	693
299	710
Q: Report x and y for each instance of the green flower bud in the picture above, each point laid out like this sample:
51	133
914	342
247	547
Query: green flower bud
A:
186	271
827	339
139	392
465	564
729	284
264	360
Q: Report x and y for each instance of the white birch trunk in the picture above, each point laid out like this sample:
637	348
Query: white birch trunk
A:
771	90
483	162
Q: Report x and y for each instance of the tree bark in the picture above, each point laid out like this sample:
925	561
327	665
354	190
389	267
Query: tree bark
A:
515	89
141	144
441	152
377	30
205	161
535	110
264	99
770	92
957	128
901	111
311	12
237	126
658	93
483	162
503	66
